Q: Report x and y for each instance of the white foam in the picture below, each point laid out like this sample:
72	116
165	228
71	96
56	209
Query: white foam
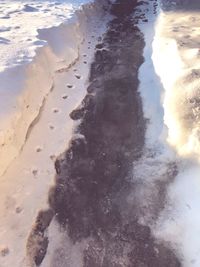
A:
177	62
173	134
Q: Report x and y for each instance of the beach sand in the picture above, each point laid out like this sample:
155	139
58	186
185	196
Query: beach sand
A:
26	183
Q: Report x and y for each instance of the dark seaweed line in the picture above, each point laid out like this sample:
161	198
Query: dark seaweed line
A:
94	176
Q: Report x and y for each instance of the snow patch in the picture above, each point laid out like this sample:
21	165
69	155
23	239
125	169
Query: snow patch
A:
26	182
177	62
30	56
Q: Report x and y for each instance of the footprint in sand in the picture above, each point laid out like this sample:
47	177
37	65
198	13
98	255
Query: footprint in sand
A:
88	47
51	127
89	42
84	55
53	157
69	86
64	96
78	77
4	251
35	172
18	210
55	110
85	62
38	149
75	70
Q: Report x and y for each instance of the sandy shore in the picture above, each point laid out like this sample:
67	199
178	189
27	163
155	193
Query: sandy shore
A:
25	185
91	221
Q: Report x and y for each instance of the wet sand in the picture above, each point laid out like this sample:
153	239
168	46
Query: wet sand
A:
95	175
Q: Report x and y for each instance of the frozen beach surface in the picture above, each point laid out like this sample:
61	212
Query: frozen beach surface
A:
20	22
19	25
35	122
35	41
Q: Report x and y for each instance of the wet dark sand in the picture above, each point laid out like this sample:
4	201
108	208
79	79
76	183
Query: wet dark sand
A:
95	175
